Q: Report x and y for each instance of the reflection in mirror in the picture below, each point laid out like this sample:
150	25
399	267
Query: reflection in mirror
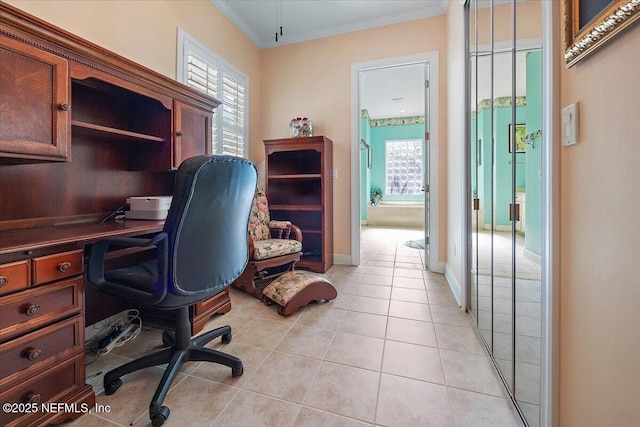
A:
505	94
484	129
527	298
505	162
476	161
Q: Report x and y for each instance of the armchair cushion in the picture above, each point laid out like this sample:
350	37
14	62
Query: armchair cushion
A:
274	247
269	248
259	217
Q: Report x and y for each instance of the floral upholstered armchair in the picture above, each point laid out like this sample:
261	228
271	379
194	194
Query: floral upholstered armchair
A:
274	247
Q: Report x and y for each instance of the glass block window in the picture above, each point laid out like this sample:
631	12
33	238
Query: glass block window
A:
403	166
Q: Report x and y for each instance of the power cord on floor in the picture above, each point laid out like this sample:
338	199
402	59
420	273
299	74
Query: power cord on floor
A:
113	335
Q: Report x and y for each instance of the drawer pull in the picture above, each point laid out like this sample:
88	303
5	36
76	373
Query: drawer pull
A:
32	310
33	354
33	398
3	280
64	266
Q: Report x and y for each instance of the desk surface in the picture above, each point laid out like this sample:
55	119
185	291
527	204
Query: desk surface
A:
35	238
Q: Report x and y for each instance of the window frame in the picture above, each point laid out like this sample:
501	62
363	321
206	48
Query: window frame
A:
186	44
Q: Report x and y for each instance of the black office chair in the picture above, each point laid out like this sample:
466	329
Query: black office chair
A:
201	250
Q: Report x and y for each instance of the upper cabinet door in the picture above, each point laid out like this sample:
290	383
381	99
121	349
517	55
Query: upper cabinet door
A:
35	116
192	132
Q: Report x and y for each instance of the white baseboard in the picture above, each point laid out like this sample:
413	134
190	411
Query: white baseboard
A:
438	267
453	284
532	256
342	259
498	227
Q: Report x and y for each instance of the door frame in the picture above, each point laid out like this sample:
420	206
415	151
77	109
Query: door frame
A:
432	58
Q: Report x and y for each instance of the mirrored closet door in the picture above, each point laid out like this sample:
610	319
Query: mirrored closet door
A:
505	103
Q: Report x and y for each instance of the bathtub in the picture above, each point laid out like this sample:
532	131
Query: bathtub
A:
396	213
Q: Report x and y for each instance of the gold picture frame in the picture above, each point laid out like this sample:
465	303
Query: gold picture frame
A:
518	145
591	23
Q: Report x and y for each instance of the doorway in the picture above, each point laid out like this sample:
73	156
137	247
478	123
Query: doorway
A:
381	126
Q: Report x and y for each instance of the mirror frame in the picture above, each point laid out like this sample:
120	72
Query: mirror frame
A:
602	26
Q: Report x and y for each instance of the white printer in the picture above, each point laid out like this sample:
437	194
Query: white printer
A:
151	207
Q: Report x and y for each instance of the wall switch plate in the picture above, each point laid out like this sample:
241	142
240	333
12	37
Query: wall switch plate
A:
335	173
570	124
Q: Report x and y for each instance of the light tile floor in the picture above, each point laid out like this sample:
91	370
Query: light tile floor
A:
392	350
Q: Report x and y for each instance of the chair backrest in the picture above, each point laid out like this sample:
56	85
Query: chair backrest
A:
207	223
259	217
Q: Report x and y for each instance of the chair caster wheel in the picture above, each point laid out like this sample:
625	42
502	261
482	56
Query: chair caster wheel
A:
237	369
226	338
168	339
112	387
158	419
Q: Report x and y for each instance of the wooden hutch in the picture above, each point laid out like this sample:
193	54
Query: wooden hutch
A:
81	129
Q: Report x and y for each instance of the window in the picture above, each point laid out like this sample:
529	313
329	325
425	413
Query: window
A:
202	69
403	162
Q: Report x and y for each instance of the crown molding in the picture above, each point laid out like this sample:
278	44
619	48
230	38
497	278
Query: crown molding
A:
431	9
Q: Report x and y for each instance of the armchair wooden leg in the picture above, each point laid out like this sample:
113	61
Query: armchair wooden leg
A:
258	274
247	282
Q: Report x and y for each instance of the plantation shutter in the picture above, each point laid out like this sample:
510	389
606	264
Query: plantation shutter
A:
233	115
208	73
203	76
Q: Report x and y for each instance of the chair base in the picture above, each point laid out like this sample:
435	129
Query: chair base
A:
183	349
258	274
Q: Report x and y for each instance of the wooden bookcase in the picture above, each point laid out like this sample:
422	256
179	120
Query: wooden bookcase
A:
299	188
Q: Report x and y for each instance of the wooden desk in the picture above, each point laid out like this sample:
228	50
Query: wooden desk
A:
42	316
13	242
82	129
45	307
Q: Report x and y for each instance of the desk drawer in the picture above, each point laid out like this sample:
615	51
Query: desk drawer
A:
58	266
35	307
24	356
52	385
212	303
14	276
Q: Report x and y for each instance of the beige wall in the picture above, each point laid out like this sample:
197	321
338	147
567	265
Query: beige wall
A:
599	203
600	240
456	148
313	79
306	79
146	32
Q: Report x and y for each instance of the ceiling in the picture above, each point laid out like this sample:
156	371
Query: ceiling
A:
385	93
393	91
304	20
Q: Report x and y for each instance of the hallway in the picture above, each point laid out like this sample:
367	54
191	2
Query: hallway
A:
392	350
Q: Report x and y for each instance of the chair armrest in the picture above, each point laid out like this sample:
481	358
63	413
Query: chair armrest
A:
285	230
95	267
279	224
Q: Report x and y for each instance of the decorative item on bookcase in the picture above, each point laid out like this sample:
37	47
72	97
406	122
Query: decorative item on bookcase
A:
300	126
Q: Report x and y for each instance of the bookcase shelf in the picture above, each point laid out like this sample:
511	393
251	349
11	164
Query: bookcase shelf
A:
105	133
299	189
